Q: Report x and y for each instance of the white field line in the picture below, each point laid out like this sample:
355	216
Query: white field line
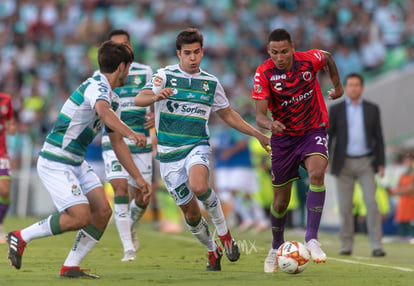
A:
371	264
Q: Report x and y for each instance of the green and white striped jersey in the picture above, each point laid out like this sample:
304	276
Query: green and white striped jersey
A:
181	120
78	123
133	116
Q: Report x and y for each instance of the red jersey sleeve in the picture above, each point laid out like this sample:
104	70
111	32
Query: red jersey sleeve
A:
261	85
316	57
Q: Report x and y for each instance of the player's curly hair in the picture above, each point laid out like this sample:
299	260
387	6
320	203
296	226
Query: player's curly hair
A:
189	36
111	54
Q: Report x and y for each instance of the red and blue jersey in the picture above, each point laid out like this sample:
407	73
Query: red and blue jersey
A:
294	97
6	113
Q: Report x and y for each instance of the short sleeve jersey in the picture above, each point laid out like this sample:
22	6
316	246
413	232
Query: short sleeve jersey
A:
294	97
78	122
181	120
6	113
133	116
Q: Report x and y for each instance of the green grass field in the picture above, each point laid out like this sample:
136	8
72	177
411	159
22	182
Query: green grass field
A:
178	259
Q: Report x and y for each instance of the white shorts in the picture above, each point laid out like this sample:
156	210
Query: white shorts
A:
67	184
237	179
114	169
175	174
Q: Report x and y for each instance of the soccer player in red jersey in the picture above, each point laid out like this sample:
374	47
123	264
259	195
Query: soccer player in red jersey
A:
7	125
286	84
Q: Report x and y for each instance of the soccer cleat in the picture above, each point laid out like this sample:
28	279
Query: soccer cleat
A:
314	248
76	272
214	258
16	248
129	255
270	263
232	250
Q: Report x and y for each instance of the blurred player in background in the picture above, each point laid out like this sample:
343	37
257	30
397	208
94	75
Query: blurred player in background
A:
74	187
286	84
7	125
128	211
184	96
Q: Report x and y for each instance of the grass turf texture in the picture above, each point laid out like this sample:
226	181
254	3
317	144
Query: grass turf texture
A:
178	259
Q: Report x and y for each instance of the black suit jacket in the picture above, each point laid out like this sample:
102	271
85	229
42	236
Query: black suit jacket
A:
338	135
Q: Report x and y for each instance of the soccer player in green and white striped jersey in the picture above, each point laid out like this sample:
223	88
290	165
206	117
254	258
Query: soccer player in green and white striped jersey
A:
184	96
74	187
139	119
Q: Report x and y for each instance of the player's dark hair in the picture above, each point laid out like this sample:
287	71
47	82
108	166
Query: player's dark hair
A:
111	55
355	75
118	32
279	35
189	36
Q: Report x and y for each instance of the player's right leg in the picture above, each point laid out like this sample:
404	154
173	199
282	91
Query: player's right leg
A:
118	177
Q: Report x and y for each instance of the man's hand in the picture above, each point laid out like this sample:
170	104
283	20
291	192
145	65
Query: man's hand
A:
276	126
139	138
164	94
334	94
145	188
150	120
264	141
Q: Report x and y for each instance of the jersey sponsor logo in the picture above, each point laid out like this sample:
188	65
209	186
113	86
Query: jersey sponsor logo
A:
318	55
184	108
278	76
258	88
299	98
157	81
278	86
173	82
307	75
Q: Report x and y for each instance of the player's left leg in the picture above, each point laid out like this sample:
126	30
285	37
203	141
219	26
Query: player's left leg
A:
89	235
316	165
198	181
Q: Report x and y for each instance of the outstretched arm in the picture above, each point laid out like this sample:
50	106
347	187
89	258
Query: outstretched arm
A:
330	66
233	119
147	97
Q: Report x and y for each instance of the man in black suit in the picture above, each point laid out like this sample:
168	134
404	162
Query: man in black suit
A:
356	149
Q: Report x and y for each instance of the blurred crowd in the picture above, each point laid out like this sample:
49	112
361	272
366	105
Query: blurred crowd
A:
47	47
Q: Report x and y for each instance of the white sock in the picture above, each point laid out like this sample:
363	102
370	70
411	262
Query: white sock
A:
123	225
37	230
213	207
136	212
201	232
84	243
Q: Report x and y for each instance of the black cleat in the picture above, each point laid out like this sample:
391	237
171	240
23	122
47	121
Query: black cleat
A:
214	258
76	272
232	250
16	248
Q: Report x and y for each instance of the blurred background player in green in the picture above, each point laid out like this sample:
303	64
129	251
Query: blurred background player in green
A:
129	205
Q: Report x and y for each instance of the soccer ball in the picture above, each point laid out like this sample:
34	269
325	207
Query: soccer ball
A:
292	257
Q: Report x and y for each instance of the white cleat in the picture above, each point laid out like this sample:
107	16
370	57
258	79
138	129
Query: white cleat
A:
129	255
270	263
314	248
